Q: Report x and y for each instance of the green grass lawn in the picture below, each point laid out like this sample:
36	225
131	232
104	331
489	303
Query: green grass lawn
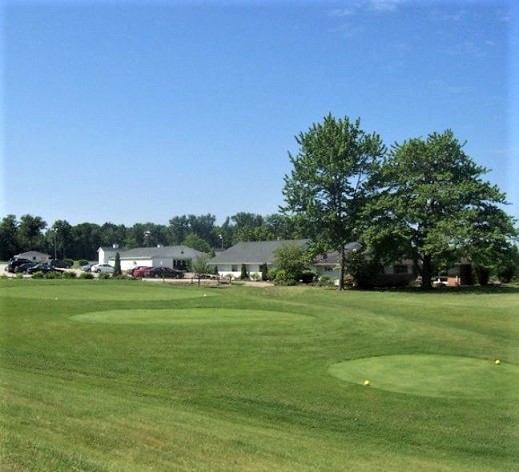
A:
107	375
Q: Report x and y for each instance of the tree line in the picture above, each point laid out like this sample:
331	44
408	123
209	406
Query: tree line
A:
423	200
63	240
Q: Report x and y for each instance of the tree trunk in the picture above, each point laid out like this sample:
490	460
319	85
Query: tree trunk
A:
342	269
427	272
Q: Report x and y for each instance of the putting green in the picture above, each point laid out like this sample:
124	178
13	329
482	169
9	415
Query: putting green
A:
188	316
433	375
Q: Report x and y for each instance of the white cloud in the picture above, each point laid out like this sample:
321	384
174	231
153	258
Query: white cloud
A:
442	15
340	12
376	6
466	48
382	6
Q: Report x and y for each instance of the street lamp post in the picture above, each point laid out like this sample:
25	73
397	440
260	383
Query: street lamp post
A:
55	231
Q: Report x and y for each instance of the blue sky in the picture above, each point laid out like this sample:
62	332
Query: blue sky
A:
140	111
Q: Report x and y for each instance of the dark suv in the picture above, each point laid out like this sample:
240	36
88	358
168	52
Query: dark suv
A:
14	262
60	264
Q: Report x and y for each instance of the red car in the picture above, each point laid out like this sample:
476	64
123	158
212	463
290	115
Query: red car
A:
138	271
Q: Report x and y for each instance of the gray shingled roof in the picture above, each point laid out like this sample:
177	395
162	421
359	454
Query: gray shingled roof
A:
174	252
253	252
333	257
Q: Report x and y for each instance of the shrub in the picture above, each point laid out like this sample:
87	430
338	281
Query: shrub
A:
38	275
69	275
483	275
54	275
264	272
284	278
86	275
308	276
117	266
325	281
363	270
292	259
271	275
104	276
244	274
122	277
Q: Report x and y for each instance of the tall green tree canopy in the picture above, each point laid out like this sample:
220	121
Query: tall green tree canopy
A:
327	188
30	232
60	239
8	237
434	207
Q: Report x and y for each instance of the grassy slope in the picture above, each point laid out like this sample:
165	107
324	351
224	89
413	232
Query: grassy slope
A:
248	392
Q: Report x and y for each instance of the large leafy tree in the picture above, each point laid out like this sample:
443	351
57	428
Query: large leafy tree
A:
327	188
247	227
8	240
30	233
196	242
86	241
434	207
60	239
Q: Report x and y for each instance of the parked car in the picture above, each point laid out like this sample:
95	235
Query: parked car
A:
164	272
14	262
44	267
86	267
102	268
140	271
60	264
136	269
23	268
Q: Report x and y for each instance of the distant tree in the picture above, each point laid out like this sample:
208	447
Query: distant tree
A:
117	266
328	186
179	227
59	239
204	227
8	237
196	242
246	226
433	207
112	234
30	233
225	234
279	226
86	240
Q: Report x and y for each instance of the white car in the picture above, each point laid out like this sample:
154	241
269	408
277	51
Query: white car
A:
441	281
102	268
